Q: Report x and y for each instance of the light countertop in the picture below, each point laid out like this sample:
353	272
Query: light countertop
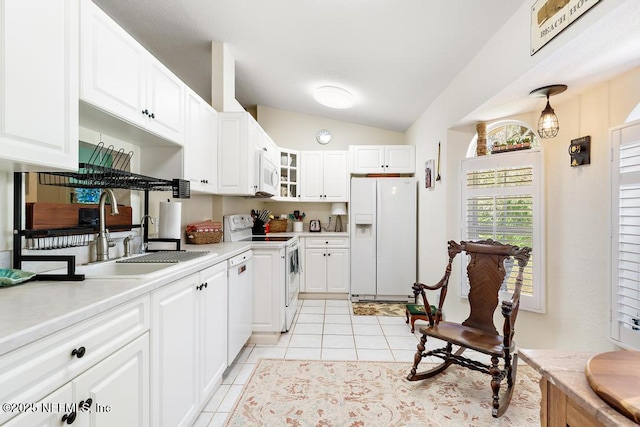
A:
565	370
36	309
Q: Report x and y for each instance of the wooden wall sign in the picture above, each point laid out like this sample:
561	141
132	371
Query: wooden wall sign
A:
550	17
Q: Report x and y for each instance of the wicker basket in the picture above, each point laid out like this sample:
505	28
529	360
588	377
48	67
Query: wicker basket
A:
204	237
277	225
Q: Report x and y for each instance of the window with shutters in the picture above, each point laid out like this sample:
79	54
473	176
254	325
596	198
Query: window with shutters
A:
502	200
625	236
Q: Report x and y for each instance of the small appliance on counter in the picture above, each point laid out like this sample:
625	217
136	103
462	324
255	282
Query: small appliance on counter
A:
314	225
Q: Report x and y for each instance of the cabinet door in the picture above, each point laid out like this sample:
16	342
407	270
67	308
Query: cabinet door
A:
48	412
268	290
212	322
400	158
311	168
112	67
316	270
173	364
194	142
236	174
39	78
164	101
118	388
338	270
200	147
209	145
367	159
335	177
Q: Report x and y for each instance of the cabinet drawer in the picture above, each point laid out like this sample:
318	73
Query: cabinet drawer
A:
327	242
35	370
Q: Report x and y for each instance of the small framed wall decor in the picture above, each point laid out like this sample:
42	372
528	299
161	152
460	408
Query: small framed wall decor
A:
428	173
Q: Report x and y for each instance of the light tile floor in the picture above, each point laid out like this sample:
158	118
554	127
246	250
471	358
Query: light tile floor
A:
322	330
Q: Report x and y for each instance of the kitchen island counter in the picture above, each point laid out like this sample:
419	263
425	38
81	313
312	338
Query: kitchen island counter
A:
567	398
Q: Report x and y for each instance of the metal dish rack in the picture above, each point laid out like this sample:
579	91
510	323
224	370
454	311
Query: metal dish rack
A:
105	169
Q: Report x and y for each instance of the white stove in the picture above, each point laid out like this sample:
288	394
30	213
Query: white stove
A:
238	228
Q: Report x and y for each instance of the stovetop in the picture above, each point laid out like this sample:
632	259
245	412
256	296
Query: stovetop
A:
270	238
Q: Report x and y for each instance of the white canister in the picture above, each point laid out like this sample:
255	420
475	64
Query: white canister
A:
297	226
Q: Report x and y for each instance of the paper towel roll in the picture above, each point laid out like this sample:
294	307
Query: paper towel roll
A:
170	220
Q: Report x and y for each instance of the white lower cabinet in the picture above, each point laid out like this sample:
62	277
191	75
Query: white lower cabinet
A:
268	290
104	358
173	362
188	345
212	337
52	411
115	392
155	360
326	265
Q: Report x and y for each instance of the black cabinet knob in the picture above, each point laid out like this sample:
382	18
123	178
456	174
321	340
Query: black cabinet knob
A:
145	112
70	418
78	352
206	284
153	116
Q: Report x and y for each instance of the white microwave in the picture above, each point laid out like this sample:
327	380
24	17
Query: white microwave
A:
267	175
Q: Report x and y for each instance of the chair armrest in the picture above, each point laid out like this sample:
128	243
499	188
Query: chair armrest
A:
419	289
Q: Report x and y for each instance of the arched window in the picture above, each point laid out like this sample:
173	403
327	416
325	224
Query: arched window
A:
506	135
502	199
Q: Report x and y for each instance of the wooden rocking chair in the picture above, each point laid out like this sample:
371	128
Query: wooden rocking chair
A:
486	272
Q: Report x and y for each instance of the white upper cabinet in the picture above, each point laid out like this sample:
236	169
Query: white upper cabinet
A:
383	159
122	78
39	81
324	176
200	148
238	143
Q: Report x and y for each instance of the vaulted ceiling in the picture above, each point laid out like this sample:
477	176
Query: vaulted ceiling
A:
395	56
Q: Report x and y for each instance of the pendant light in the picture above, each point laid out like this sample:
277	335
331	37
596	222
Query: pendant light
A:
548	125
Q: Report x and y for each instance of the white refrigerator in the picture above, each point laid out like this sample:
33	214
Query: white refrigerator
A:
382	230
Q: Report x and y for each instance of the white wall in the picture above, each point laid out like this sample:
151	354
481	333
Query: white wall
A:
298	131
577	199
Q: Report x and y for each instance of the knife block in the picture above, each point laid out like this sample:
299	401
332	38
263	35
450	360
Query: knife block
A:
258	227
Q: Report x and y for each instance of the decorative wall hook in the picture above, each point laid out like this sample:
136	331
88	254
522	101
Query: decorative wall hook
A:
580	151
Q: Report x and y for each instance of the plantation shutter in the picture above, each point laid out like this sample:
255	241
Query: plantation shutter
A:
501	201
625	289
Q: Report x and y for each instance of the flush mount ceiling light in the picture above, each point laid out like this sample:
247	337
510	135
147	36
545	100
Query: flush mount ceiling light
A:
548	125
333	97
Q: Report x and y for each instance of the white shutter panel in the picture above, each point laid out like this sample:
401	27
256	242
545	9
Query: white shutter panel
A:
501	201
625	289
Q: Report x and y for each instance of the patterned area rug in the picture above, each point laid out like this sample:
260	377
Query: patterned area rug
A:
335	393
378	309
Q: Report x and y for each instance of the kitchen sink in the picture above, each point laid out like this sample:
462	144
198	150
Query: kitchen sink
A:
135	267
116	270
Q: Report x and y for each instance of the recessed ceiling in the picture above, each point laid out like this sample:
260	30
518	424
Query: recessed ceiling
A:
395	57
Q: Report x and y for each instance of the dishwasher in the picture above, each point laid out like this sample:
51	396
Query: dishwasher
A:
240	303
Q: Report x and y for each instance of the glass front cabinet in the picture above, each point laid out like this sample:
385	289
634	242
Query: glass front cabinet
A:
289	176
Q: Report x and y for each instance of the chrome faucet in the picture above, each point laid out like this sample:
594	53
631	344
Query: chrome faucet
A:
103	241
